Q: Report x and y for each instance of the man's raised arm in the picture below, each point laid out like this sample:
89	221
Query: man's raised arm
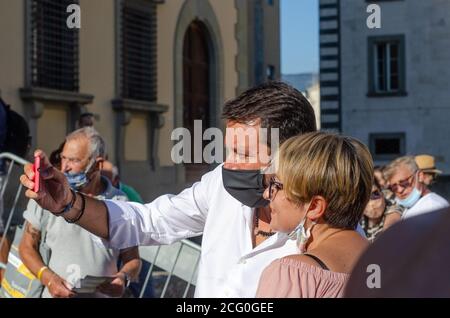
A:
163	221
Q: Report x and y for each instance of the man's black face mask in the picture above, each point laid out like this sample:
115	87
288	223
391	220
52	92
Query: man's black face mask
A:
246	186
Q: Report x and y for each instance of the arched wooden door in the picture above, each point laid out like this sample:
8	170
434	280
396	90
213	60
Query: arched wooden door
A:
196	89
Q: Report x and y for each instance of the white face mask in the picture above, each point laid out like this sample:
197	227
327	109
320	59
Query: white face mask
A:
302	235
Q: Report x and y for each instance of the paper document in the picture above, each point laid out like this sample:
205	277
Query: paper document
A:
89	284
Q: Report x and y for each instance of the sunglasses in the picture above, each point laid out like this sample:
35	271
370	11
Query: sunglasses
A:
274	187
375	195
405	183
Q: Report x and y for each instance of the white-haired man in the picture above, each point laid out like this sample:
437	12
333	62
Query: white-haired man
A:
407	182
72	249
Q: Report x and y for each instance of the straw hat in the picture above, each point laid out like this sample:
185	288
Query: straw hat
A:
426	164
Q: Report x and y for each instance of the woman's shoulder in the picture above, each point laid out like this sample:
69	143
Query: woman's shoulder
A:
299	260
342	252
305	265
300	276
350	238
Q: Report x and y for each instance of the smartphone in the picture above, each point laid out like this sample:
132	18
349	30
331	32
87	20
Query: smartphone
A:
36	167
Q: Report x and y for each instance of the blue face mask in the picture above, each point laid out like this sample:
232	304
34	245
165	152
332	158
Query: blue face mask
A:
78	180
411	199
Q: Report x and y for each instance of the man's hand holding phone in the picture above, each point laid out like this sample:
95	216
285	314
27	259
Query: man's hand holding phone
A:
45	184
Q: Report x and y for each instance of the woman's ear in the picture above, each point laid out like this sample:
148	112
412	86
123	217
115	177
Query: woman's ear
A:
317	207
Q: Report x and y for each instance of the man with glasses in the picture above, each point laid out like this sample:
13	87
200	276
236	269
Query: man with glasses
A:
407	182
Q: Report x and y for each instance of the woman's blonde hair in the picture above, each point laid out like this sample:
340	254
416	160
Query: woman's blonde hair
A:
338	168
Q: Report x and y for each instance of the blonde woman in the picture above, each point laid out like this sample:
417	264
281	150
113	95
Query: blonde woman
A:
321	187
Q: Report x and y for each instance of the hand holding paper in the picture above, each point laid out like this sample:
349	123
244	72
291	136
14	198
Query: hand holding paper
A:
90	284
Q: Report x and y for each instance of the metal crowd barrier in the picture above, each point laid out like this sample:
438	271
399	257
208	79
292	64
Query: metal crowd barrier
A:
179	260
13	160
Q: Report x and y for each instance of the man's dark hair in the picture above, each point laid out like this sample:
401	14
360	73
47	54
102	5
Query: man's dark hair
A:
87	114
55	156
86	120
278	105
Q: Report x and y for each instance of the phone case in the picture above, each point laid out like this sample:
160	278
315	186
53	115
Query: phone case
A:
37	166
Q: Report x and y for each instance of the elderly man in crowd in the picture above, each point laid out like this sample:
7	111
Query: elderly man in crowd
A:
72	249
86	120
407	182
111	172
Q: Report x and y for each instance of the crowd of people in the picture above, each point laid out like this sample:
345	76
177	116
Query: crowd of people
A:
298	231
401	190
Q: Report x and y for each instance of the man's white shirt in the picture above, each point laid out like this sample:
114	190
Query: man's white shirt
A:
229	265
428	203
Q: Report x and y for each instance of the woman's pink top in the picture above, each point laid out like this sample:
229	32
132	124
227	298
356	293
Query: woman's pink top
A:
290	278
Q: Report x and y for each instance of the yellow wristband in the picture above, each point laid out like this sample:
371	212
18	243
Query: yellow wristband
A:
41	271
